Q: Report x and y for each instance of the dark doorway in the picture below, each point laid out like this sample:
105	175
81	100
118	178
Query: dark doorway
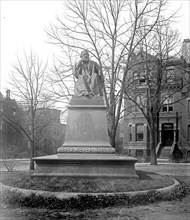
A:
167	134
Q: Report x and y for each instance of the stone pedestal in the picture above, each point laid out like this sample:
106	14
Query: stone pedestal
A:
86	130
86	151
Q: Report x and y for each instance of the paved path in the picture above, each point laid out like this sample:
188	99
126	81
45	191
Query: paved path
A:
176	169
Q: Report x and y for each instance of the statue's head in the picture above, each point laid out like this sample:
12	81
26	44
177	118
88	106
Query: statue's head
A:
84	56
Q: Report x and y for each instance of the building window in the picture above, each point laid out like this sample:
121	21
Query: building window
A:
141	102
130	106
139	78
135	76
14	110
168	104
188	105
130	133
139	153
142	81
142	78
170	74
139	132
130	152
188	133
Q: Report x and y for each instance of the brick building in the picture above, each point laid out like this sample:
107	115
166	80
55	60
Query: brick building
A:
10	112
49	130
52	135
173	117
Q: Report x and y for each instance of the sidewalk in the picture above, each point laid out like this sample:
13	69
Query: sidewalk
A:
171	169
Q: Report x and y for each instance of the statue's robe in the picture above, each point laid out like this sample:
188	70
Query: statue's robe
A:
88	79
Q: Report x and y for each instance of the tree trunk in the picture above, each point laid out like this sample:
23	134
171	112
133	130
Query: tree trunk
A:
111	128
153	160
112	135
31	155
32	143
31	164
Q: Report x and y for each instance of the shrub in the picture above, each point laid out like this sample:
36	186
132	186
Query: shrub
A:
83	202
9	156
11	197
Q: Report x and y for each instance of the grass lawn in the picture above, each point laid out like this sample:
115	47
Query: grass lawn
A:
171	205
25	180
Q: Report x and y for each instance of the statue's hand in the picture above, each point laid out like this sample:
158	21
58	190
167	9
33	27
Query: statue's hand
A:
101	78
79	64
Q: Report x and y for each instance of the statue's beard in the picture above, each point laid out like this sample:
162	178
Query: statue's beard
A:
85	60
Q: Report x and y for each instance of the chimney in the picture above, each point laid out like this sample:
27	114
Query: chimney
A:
8	94
186	50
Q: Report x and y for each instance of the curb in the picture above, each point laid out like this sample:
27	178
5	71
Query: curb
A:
18	159
65	195
162	164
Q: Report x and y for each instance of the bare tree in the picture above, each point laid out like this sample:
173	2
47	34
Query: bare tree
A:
152	81
28	80
61	82
108	29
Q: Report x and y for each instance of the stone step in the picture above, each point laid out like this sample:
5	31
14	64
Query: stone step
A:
166	160
165	153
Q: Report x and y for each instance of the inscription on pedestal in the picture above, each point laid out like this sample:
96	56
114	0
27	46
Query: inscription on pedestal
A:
86	129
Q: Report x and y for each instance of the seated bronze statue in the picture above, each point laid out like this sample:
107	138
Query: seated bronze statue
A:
88	75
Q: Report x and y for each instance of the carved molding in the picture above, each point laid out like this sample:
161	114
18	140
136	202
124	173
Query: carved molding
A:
73	149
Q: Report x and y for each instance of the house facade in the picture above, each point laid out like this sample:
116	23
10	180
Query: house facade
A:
172	118
52	135
9	136
49	131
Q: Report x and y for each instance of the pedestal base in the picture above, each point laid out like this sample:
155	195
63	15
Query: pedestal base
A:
86	151
85	165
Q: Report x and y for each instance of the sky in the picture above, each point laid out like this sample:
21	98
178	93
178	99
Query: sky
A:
23	24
